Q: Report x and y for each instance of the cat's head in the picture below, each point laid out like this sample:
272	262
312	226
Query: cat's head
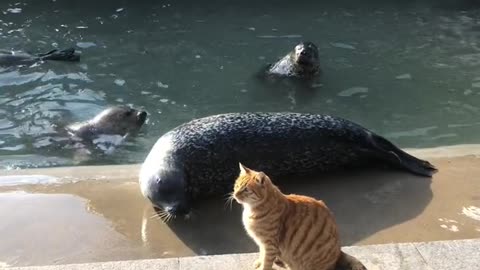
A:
251	187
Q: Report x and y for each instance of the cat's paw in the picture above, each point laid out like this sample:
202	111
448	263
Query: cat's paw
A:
359	267
257	264
280	263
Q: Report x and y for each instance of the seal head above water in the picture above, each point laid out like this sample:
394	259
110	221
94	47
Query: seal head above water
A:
302	62
200	158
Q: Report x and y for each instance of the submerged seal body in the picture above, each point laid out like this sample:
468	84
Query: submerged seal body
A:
200	158
14	58
302	62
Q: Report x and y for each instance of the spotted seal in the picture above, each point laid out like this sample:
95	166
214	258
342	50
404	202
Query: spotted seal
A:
302	62
15	58
200	158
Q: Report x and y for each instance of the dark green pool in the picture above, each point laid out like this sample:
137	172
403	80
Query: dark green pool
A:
409	70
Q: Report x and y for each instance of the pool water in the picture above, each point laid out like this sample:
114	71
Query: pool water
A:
409	70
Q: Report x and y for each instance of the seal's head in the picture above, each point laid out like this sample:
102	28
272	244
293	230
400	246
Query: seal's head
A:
306	53
163	182
119	120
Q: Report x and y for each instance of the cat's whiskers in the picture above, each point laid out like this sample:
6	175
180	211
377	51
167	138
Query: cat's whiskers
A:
229	200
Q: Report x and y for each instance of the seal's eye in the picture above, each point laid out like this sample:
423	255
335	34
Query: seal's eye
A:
128	113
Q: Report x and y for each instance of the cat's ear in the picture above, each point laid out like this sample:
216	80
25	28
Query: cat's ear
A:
243	169
261	178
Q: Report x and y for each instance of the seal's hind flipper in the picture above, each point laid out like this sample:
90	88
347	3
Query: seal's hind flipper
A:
63	55
47	53
402	158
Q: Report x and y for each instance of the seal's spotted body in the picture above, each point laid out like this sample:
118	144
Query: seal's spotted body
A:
200	158
207	143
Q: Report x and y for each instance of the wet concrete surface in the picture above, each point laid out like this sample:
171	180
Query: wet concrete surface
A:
91	214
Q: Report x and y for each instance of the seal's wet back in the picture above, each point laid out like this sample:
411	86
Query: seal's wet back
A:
199	158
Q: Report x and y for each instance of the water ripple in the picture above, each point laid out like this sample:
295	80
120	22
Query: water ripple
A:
15	78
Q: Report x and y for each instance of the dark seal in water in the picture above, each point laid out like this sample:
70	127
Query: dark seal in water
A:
302	62
15	58
200	158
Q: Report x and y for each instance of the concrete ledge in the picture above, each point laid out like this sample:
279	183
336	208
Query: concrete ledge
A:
446	255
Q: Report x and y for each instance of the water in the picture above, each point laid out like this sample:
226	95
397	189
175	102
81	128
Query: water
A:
407	69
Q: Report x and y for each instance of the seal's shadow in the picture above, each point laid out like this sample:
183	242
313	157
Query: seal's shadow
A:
364	202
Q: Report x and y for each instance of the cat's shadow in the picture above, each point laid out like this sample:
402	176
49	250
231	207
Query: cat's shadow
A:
363	202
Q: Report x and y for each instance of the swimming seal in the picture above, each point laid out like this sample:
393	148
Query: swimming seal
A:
302	62
109	128
102	134
15	58
200	158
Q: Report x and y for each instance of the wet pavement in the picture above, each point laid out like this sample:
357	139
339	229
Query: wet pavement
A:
91	214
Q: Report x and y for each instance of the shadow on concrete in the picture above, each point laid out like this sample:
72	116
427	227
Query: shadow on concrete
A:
364	202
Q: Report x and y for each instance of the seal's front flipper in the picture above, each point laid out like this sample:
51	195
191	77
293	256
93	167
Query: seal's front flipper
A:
63	55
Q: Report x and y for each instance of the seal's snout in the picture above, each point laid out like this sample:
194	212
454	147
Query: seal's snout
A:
178	210
142	116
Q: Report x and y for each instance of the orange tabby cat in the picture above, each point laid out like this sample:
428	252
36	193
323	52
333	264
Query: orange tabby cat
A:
292	229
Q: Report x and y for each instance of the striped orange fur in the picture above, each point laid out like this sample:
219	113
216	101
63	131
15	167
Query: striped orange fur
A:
295	230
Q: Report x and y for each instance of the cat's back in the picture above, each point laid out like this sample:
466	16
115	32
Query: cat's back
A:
310	234
309	204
